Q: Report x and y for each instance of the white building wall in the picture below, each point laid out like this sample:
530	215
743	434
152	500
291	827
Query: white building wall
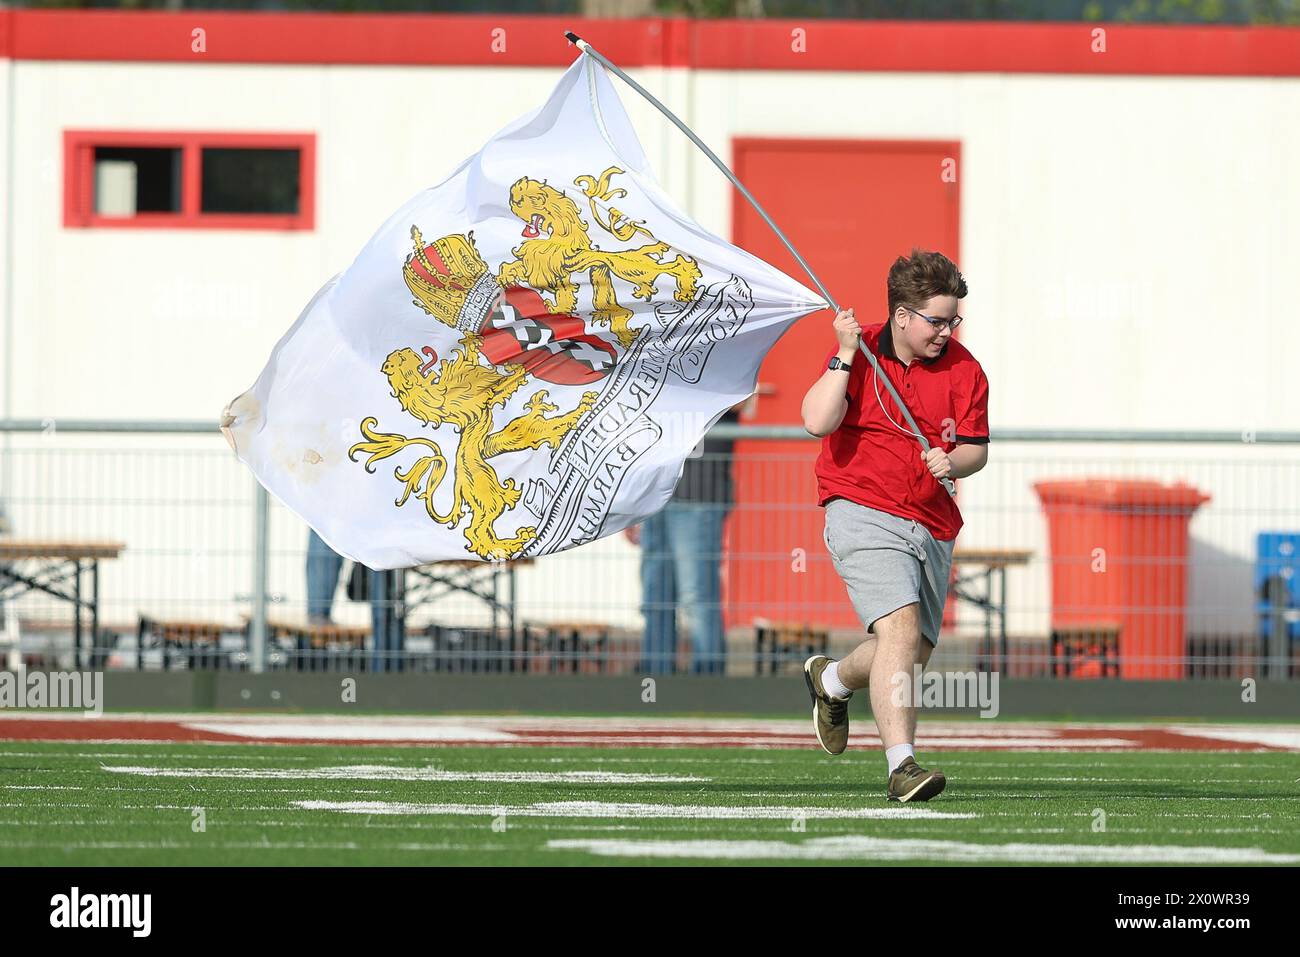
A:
1129	243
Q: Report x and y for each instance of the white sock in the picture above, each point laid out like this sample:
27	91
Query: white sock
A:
897	755
831	681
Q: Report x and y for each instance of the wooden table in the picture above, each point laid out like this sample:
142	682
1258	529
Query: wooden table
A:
312	643
990	563
56	568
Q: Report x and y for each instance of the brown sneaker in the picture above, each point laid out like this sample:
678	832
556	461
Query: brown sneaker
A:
830	714
911	782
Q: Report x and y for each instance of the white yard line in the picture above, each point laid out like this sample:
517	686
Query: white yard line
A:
378	772
357	730
204	845
602	809
851	848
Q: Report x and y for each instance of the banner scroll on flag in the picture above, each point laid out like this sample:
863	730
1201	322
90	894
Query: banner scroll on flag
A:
521	358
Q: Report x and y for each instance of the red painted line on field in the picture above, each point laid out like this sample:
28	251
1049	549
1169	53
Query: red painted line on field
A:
105	729
623	732
1152	738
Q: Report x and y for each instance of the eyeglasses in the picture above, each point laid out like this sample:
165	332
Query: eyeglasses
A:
952	323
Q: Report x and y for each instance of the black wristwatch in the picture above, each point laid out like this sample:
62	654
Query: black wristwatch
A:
836	363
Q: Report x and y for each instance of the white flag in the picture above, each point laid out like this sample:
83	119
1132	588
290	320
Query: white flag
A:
521	358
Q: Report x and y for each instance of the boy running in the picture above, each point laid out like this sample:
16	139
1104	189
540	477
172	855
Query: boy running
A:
890	523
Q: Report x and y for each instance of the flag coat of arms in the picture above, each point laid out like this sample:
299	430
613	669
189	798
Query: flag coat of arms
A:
521	358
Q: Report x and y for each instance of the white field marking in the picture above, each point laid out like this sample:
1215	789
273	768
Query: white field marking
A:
1255	765
60	822
863	740
788	726
614	722
1060	744
604	732
244	845
524	758
259	789
223	791
206	756
583	828
621	723
631	810
787	794
41	787
987	729
519	756
1091	780
1225	750
138	807
1202	815
355	731
589	828
1276	737
378	772
1140	749
600	740
904	849
1127	797
1208	830
1198	815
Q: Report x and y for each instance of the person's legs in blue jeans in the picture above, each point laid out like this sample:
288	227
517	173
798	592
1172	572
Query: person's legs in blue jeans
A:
323	567
384	623
695	534
658	598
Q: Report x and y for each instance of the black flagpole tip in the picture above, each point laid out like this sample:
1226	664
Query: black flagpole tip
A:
571	36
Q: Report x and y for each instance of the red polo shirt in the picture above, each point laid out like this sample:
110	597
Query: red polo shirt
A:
873	462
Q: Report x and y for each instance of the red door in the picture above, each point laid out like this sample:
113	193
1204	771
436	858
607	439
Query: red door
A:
850	207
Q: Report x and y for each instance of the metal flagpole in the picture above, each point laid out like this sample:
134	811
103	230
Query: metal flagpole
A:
586	48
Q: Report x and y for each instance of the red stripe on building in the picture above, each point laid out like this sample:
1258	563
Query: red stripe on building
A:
811	44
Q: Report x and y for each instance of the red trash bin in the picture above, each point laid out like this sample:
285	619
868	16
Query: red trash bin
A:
1118	552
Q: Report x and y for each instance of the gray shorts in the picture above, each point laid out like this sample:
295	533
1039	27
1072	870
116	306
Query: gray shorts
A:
888	562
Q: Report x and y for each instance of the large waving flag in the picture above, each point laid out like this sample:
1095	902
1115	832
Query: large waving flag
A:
520	359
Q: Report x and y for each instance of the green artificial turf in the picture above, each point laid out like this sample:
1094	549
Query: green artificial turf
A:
61	804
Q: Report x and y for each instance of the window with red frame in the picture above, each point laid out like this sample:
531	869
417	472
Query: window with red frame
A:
189	180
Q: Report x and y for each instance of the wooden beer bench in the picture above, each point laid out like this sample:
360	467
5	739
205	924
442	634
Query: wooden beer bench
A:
1086	650
571	643
990	563
779	642
56	568
493	584
198	642
316	647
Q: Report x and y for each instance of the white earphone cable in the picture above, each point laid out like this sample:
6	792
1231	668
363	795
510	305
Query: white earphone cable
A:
876	386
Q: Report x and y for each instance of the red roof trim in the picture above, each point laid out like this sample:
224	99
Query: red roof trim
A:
485	40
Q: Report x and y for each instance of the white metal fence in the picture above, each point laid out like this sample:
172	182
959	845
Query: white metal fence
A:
205	547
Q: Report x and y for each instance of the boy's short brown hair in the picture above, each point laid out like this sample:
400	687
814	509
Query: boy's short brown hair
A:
921	276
